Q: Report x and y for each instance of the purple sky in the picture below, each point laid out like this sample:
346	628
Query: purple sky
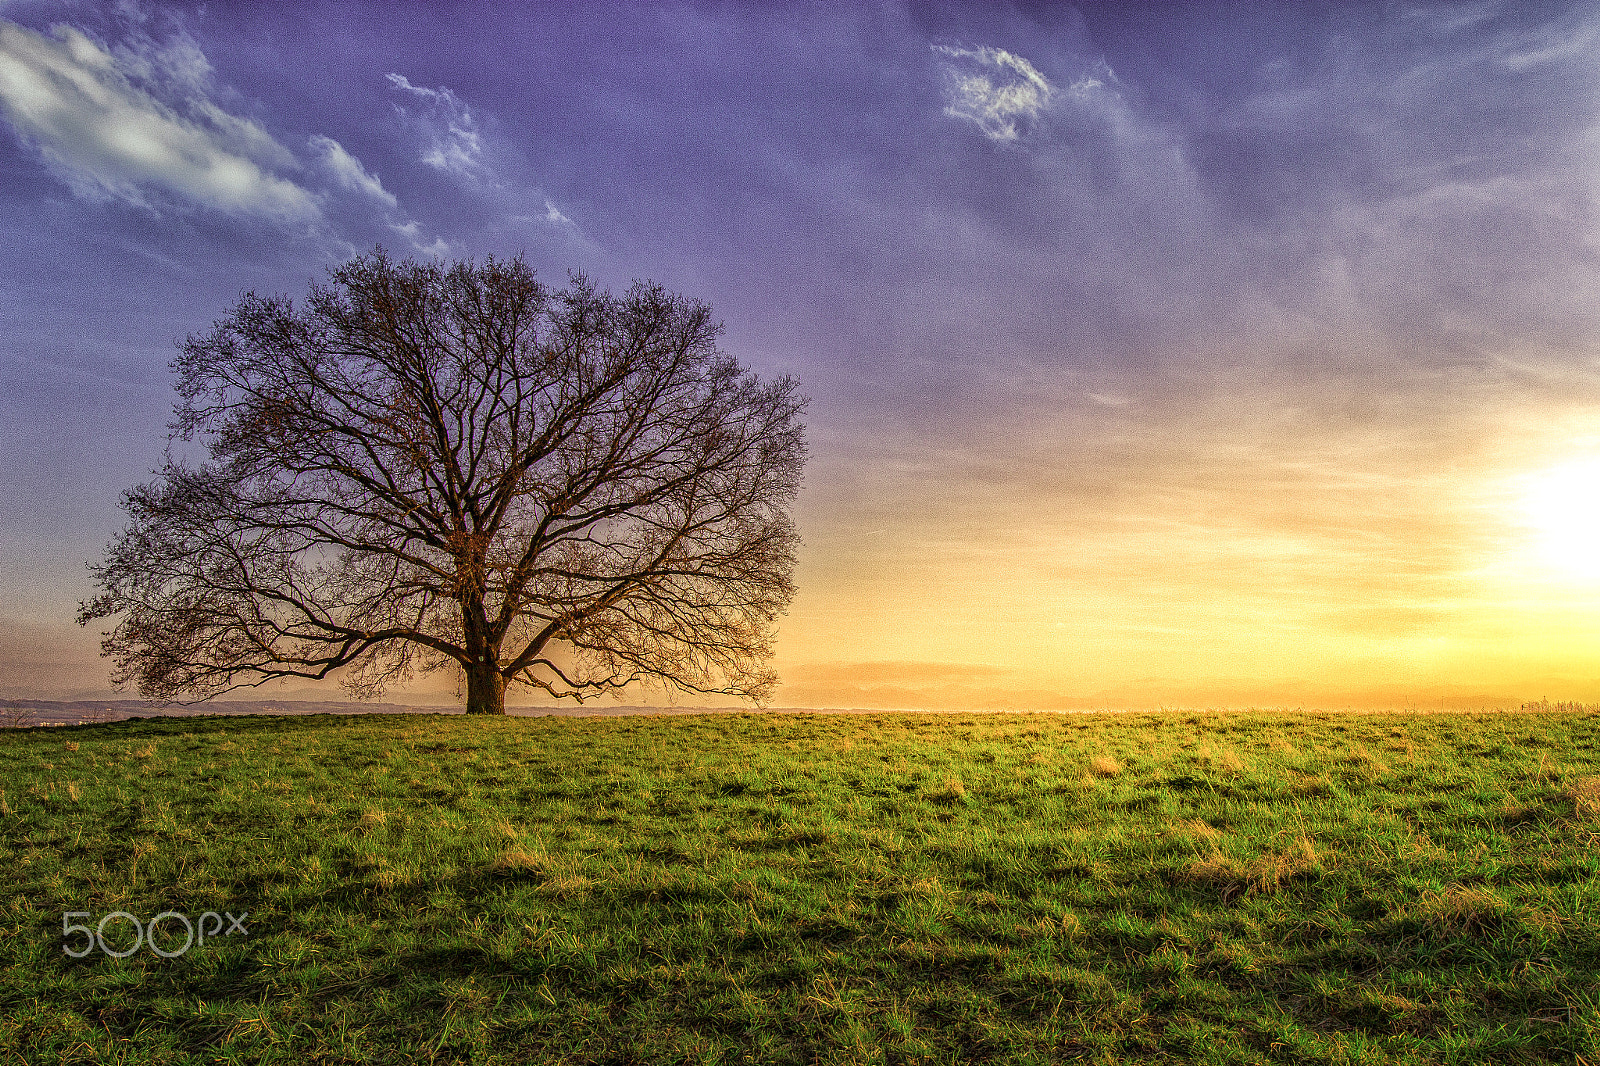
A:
1082	294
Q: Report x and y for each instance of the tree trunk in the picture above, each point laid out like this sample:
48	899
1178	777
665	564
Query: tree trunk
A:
486	688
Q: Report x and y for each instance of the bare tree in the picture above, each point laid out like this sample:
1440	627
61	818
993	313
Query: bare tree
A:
429	464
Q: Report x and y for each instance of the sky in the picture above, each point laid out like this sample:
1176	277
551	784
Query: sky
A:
1158	354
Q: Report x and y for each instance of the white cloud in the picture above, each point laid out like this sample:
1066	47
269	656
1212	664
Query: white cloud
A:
349	173
553	215
1451	18
457	147
352	176
993	88
412	232
94	117
1553	46
178	70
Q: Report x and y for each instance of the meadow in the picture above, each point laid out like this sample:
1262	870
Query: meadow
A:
896	888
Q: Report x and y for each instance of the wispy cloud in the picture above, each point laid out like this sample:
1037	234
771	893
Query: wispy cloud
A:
412	232
1553	47
456	146
553	215
452	143
348	171
353	176
140	122
993	89
1451	18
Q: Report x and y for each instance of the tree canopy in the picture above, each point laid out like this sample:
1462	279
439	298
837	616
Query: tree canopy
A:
428	464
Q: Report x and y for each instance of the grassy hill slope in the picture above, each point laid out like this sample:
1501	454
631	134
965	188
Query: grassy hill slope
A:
828	888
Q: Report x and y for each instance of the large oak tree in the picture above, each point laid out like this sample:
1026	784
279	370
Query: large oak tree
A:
427	464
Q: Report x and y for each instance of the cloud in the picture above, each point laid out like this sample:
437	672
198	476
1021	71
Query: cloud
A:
1452	18
456	147
177	68
96	119
1548	47
994	89
349	173
412	231
352	176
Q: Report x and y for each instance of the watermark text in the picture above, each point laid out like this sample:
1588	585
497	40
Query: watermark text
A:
160	934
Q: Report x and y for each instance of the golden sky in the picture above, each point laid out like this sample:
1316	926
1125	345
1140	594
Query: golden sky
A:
1246	544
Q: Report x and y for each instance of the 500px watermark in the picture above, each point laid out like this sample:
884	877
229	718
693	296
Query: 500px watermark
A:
144	933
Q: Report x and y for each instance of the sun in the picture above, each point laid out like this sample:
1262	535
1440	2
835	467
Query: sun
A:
1563	506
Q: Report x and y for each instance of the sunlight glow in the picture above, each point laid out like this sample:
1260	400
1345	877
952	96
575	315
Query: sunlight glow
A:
1563	505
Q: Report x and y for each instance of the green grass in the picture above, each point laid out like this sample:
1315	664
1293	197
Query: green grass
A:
892	888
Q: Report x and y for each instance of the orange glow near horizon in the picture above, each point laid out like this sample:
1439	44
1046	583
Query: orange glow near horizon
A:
1242	572
1320	571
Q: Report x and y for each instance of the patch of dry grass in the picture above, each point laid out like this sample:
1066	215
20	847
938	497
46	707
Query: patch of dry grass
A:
1584	794
1510	812
558	878
954	790
1227	761
1104	766
1197	829
565	885
1360	756
520	860
1264	873
1461	909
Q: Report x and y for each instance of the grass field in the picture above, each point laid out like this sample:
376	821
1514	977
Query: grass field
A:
795	889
